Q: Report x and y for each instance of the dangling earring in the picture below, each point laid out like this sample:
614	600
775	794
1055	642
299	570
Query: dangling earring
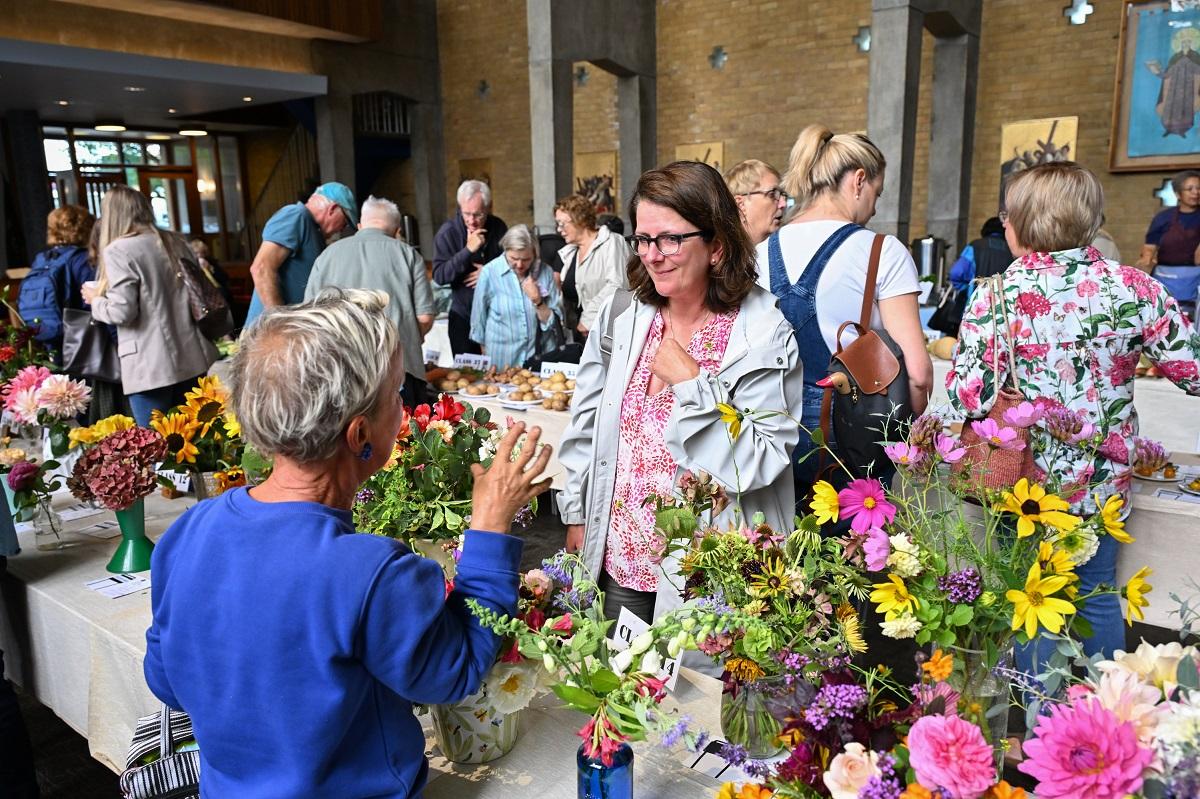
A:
366	452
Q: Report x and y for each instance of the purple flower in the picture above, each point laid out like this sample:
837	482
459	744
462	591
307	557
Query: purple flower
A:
677	731
364	496
524	517
1024	415
962	587
924	428
1065	424
905	455
877	549
733	754
22	476
835	701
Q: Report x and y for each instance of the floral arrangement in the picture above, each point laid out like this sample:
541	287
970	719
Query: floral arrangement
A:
562	626
18	350
86	436
203	434
31	484
118	470
35	396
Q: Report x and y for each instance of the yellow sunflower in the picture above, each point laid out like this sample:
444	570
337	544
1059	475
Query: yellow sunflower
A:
230	478
1135	594
892	598
178	430
203	411
233	428
1035	606
732	418
208	387
851	629
1110	515
1031	504
825	502
771	581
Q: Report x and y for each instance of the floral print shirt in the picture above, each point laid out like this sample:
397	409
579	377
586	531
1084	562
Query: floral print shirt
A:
1079	325
644	464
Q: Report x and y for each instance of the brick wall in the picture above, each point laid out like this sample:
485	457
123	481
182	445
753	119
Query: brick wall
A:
595	128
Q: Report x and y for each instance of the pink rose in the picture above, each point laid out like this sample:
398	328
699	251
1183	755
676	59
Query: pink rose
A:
22	476
850	771
950	753
968	395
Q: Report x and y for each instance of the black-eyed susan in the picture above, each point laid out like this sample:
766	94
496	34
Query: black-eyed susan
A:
1110	517
1135	595
743	669
851	628
179	431
771	581
825	502
1035	605
732	418
1032	505
893	599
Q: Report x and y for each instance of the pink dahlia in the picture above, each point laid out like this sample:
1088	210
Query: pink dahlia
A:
865	502
1085	750
949	753
63	397
997	436
29	377
24	405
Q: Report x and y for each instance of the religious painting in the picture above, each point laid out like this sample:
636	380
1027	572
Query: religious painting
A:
596	179
1036	141
1157	93
706	152
475	169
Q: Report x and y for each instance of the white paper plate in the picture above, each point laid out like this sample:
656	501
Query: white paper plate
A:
1156	477
1185	488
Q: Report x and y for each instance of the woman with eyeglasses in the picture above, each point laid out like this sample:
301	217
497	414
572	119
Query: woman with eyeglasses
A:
817	265
593	261
694	333
755	187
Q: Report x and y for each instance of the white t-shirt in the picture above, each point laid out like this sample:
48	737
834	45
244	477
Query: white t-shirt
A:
840	287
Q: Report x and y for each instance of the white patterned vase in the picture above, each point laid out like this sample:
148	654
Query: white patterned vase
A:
473	731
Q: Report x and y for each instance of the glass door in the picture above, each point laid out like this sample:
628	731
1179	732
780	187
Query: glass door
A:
173	197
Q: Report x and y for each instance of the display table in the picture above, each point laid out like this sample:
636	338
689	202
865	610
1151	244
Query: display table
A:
553	424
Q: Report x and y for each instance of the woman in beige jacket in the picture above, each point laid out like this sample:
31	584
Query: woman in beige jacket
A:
139	289
594	261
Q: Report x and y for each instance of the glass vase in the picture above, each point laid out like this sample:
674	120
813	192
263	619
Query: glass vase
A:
133	553
598	781
473	731
984	693
204	484
754	713
47	527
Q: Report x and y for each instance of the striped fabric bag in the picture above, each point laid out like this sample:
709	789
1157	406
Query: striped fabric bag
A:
170	775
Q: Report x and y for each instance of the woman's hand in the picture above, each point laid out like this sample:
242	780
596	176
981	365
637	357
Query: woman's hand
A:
88	291
574	537
508	486
531	289
672	364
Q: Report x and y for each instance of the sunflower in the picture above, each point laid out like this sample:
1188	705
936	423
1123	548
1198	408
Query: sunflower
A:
851	629
1057	561
1034	605
825	502
743	669
1031	504
893	599
208	387
1110	516
203	411
178	430
771	581
233	428
230	478
1135	594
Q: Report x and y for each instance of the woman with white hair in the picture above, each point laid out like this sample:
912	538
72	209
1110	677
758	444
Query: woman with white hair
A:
297	647
517	312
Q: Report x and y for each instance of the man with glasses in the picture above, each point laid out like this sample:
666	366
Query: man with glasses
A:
291	241
761	202
462	246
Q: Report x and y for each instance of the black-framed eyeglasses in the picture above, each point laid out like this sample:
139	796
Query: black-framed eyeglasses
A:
776	194
667	243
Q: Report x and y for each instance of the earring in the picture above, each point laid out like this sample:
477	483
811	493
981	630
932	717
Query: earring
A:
366	452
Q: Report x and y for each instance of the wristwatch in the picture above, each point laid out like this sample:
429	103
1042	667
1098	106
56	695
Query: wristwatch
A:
540	302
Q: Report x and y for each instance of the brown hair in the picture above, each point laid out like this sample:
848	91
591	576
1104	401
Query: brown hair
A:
580	209
70	224
1055	206
820	159
743	177
698	193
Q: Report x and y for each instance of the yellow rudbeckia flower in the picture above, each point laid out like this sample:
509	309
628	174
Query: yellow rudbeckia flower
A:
178	430
233	428
1035	606
1135	594
732	418
1031	504
892	598
825	502
1110	515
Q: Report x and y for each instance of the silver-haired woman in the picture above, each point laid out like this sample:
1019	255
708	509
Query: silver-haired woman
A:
297	646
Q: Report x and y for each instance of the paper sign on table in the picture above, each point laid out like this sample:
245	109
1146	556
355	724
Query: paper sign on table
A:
181	481
470	361
432	356
79	511
569	370
119	585
106	529
630	626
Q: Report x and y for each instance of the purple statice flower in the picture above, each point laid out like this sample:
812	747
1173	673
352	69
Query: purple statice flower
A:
677	731
524	517
715	603
758	769
833	702
885	786
554	570
364	496
733	754
962	587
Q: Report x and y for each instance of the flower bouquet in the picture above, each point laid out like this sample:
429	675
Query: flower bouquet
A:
203	439
18	350
118	471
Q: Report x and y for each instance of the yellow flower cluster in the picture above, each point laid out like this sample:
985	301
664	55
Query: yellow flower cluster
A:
204	405
99	431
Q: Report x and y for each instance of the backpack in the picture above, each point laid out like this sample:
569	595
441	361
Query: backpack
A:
38	300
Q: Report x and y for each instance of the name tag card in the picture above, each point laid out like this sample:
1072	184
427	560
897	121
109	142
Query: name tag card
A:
630	626
102	530
432	356
79	511
480	362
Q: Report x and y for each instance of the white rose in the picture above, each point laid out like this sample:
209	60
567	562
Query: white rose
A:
641	643
850	771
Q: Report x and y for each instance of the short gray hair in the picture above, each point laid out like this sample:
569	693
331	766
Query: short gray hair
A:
518	237
304	371
379	209
1179	178
469	188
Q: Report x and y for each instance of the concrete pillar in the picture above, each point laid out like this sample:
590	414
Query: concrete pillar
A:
429	171
895	77
637	111
551	115
335	137
29	182
955	69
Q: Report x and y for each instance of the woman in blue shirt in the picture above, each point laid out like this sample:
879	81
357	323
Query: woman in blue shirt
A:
297	646
517	311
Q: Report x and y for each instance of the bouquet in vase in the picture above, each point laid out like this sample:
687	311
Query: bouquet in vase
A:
203	436
118	469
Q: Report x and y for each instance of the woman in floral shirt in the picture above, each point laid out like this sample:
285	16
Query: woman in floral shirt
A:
1078	325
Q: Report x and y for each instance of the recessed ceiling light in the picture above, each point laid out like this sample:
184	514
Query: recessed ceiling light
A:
172	110
135	88
158	137
193	130
63	102
110	126
247	99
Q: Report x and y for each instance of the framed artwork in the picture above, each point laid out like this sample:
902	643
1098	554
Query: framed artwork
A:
1036	141
475	169
1157	92
706	152
596	178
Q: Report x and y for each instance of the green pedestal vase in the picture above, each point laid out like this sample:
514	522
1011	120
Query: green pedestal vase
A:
133	553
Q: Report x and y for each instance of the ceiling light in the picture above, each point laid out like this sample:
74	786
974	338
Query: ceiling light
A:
247	99
193	130
172	111
63	102
158	137
110	125
135	88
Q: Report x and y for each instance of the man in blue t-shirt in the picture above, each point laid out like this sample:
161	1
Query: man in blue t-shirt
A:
292	239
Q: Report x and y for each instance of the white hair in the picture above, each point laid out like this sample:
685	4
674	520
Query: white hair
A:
381	213
470	188
303	372
318	202
518	237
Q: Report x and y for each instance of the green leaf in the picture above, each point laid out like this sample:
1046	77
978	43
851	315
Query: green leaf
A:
962	615
1081	627
604	681
1187	675
60	440
577	698
453	520
817	437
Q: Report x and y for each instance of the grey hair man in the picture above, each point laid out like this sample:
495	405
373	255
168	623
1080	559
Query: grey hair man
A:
375	259
462	246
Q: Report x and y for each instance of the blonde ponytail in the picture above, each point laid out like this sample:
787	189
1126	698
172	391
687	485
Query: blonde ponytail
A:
820	159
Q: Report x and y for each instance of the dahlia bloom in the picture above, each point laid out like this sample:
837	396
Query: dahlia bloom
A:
1156	665
63	397
950	753
23	404
29	377
1084	750
877	548
1130	700
865	503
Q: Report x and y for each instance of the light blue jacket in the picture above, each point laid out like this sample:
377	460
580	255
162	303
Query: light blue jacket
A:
504	320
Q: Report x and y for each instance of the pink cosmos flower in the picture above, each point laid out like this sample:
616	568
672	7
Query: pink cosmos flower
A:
948	450
950	753
1084	750
1024	415
997	436
905	455
865	502
877	548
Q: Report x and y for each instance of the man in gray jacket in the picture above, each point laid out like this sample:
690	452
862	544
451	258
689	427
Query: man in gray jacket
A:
374	258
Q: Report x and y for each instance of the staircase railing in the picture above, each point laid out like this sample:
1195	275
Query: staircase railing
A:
294	174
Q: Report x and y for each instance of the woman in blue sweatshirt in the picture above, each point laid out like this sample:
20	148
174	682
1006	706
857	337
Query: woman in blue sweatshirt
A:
297	646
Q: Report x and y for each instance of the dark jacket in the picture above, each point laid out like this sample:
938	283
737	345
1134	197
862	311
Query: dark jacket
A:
53	284
452	261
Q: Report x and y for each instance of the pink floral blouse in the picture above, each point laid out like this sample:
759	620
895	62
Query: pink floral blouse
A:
644	465
1079	325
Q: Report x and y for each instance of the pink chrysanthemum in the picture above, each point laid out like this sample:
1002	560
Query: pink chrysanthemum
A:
949	753
63	397
865	503
1084	750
